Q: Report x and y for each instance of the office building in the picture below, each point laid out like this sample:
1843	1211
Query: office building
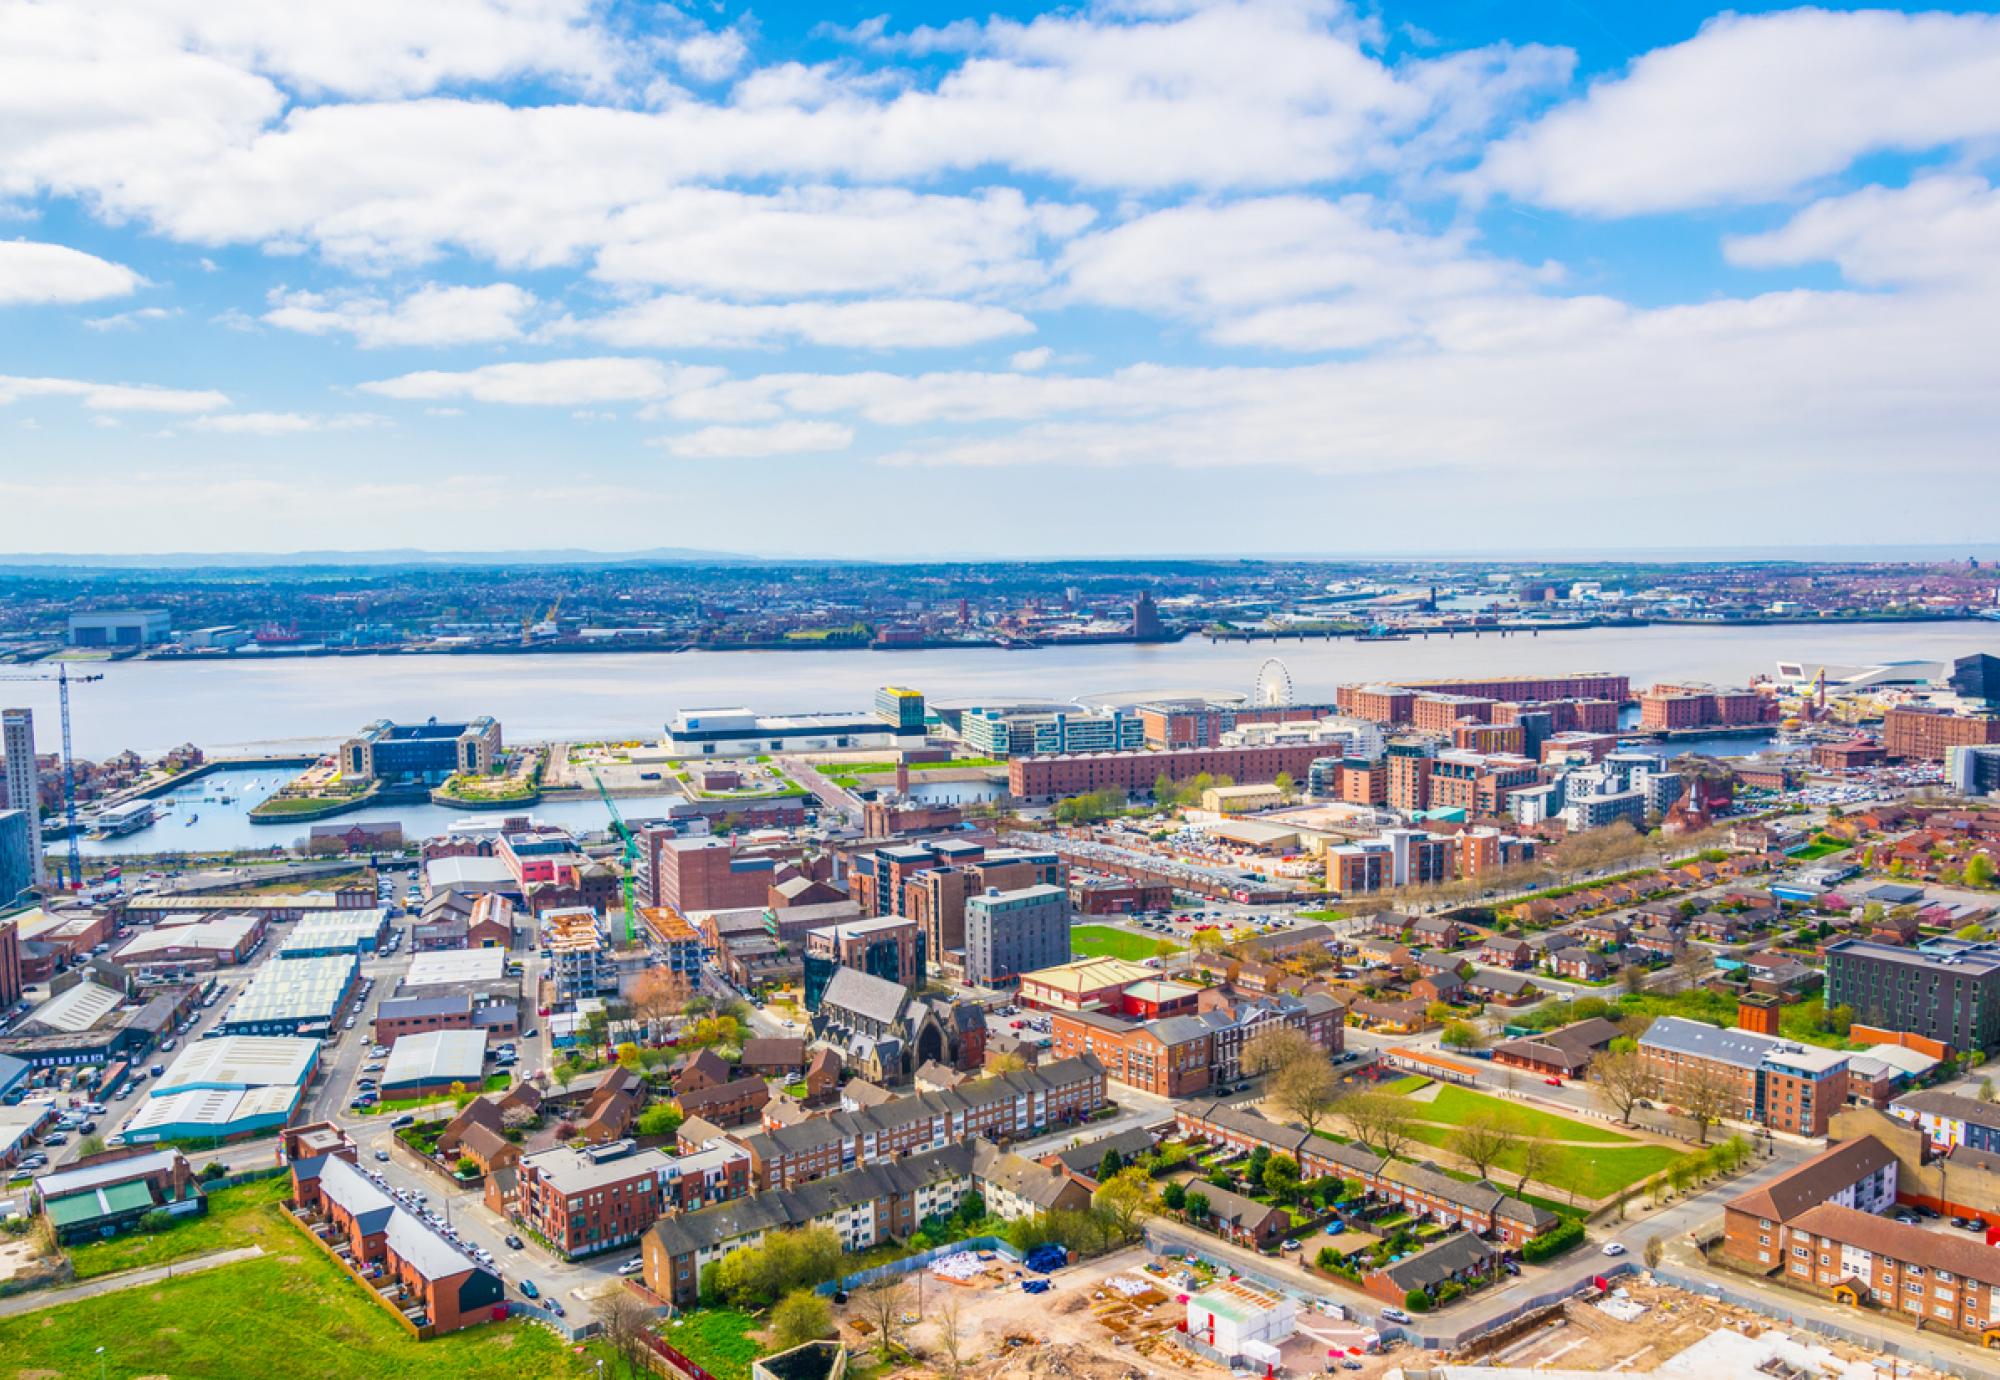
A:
1001	733
1944	990
1973	770
17	854
1008	933
130	628
886	946
901	708
702	873
12	980
1584	813
421	754
23	780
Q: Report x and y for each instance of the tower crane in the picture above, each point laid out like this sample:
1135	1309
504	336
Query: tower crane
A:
630	858
63	680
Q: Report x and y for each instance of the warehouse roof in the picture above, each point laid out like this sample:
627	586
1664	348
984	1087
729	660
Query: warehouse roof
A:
240	1061
437	1056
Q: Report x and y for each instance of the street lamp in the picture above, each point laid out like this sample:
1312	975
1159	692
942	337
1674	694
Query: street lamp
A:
100	1363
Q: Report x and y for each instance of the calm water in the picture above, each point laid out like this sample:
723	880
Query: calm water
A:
308	704
219	805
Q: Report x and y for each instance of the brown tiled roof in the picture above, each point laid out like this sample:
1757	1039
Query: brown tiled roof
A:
1819	1178
775	1052
483	1143
481	1111
700	1099
1934	1250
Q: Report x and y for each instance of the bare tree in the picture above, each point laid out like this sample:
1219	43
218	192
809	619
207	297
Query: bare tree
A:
1301	1081
1621	1080
626	1322
882	1302
1706	1096
657	996
1377	1120
952	1340
1482	1141
1538	1157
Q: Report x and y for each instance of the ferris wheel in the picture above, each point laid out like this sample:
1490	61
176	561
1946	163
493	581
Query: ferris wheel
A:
1274	685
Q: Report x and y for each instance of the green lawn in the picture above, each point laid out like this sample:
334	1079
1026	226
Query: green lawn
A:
719	1340
236	1217
1454	1106
1813	852
292	1314
877	768
1102	941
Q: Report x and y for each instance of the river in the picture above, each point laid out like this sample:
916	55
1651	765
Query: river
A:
307	704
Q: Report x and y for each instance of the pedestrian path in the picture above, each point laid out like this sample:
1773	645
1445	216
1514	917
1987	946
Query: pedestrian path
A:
129	1279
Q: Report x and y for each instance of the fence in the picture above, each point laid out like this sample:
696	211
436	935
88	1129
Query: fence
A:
1875	1339
908	1264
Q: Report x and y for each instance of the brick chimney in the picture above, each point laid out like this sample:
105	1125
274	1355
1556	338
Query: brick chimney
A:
1757	1011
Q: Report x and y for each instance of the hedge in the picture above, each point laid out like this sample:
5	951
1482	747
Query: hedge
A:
1552	1242
1417	1301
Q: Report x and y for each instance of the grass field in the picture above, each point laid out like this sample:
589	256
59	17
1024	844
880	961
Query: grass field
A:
237	1216
289	1314
1102	941
719	1340
1603	1161
1813	852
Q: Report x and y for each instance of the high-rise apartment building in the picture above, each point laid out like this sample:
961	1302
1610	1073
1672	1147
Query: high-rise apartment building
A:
17	741
1008	933
1947	990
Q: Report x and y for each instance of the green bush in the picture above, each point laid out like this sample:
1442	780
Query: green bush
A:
1553	1242
1417	1301
1449	1290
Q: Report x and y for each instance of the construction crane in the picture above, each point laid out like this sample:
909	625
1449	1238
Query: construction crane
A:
630	858
62	680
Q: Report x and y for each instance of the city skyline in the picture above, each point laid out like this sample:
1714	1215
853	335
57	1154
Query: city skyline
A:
490	275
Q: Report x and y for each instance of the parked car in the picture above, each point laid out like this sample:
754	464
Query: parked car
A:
1395	1315
528	1288
633	1266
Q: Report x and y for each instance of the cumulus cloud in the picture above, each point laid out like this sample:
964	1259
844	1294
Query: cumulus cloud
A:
1936	230
680	322
759	442
431	315
33	274
112	397
1755	106
283	423
550	383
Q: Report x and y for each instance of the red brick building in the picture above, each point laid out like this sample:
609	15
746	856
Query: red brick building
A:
586	1201
1913	733
1052	776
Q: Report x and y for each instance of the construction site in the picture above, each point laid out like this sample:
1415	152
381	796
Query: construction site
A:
1137	1315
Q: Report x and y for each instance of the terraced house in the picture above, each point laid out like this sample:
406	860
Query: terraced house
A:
864	1207
1419	1188
1002	1108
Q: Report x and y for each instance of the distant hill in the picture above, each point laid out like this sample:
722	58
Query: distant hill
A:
408	556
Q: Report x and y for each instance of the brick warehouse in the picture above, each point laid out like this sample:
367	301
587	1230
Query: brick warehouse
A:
1058	775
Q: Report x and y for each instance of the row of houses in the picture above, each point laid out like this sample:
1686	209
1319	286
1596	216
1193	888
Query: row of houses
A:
1478	1207
865	1206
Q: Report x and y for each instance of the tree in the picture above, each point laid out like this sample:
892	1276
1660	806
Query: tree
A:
1706	1094
1537	1159
1287	787
1482	1140
657	996
756	1277
1108	1167
1377	1120
1461	1035
1123	1199
661	1119
1195	1207
1281	1178
1621	1079
1979	870
1005	1061
625	1323
1206	942
1173	1197
952	1340
1166	794
90	1145
461	1096
1301	1081
882	1303
801	1316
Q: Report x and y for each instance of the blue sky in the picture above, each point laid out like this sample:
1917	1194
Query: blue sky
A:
1135	278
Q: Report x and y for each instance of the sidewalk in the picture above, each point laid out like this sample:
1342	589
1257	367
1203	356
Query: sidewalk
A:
130	1279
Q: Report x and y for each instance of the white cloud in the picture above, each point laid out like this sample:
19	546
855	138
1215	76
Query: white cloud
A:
711	55
1027	360
757	442
32	273
283	423
1936	230
829	240
130	320
431	315
1755	106
556	383
678	322
111	397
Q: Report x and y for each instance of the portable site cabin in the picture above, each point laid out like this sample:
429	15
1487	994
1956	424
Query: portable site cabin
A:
1227	1315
